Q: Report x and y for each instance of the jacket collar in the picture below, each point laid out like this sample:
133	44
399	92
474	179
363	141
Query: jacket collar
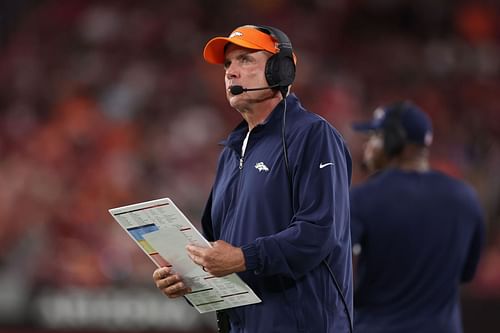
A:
236	137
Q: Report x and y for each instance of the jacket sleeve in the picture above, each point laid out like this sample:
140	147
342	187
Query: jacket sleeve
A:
206	220
477	241
320	224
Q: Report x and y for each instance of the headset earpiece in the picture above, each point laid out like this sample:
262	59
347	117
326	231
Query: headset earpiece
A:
394	134
280	67
280	70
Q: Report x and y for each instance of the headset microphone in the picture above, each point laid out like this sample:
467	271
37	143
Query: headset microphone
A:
236	90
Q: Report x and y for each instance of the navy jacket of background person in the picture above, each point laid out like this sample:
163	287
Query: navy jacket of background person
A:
285	239
420	234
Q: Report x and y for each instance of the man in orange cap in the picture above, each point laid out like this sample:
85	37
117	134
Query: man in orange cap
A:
278	212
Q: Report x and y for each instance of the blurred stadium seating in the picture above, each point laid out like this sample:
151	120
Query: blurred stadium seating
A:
106	103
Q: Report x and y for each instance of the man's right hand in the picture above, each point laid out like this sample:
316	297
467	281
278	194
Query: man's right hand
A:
169	283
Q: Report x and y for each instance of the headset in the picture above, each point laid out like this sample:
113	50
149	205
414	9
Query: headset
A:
393	132
280	67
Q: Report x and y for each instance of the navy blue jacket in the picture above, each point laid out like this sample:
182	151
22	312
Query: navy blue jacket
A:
420	236
252	207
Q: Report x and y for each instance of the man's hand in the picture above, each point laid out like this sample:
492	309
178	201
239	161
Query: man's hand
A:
170	284
220	260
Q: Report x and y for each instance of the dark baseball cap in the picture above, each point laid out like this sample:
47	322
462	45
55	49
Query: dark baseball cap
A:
416	123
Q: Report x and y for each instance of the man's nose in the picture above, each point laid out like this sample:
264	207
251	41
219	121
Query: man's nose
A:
231	72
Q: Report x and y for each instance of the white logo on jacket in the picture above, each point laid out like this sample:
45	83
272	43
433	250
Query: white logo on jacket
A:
322	165
261	167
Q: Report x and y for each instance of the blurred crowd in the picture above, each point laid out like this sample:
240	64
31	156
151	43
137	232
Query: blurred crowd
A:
108	103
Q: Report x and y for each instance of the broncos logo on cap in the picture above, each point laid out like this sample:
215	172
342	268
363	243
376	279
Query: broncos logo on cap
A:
235	34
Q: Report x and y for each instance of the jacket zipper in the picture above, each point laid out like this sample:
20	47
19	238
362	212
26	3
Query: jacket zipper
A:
237	196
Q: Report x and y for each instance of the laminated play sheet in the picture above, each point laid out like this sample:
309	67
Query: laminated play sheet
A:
162	231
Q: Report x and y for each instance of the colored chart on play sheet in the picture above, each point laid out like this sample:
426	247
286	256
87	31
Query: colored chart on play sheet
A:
138	234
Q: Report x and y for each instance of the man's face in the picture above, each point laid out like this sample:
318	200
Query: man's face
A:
374	157
245	67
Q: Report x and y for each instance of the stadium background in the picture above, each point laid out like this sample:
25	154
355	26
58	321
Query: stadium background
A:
106	103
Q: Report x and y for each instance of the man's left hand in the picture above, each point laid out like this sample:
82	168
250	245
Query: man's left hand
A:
219	260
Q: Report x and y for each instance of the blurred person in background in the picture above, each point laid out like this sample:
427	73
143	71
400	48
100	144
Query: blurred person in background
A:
418	232
278	212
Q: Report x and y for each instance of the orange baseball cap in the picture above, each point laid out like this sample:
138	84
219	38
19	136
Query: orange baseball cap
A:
246	36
